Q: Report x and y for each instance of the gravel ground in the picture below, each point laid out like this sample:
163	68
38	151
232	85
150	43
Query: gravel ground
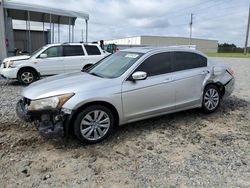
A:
187	149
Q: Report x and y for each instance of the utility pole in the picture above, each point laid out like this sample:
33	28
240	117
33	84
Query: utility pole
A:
82	34
191	25
248	25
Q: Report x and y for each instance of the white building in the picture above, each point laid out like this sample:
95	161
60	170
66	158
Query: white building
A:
204	45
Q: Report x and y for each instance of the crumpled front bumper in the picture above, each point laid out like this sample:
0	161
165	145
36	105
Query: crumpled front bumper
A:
22	112
51	123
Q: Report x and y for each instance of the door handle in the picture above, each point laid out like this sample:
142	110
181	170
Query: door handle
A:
205	72
168	80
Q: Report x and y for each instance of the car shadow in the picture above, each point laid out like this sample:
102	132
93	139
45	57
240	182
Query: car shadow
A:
13	82
186	121
9	82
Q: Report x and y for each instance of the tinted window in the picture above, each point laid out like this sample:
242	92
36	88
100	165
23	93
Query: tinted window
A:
55	51
188	60
72	50
156	64
92	50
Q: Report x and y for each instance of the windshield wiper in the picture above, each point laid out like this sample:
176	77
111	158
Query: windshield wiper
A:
84	70
94	74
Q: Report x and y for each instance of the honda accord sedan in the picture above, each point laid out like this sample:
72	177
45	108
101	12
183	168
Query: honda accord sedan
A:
128	86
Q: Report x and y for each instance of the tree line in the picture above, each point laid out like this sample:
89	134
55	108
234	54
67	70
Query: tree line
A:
230	48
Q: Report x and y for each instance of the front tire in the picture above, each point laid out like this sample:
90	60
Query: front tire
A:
211	99
26	76
94	124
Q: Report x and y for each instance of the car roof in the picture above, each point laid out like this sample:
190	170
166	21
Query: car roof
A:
163	49
71	43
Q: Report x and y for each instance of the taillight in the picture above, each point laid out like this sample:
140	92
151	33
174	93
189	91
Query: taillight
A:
230	71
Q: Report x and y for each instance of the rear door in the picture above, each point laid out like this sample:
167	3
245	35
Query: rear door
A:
189	72
53	64
155	94
73	57
94	54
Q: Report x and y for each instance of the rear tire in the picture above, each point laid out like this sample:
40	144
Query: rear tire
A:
211	99
94	124
26	76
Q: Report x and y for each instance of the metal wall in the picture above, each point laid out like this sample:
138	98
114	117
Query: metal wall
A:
38	39
3	53
204	45
9	35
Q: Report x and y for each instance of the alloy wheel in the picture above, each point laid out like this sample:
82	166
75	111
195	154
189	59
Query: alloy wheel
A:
27	77
211	99
95	125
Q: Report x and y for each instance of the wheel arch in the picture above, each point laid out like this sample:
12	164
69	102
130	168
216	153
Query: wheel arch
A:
28	67
219	85
80	108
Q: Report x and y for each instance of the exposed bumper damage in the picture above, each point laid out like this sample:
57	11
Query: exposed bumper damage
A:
50	123
229	87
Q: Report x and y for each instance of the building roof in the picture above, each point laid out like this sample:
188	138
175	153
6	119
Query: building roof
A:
40	13
161	36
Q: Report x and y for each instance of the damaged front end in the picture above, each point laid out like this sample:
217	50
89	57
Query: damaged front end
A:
50	122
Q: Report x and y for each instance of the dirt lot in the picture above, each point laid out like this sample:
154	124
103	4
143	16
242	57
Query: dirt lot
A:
187	149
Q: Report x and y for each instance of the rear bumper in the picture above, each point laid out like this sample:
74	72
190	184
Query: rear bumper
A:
9	72
51	124
229	87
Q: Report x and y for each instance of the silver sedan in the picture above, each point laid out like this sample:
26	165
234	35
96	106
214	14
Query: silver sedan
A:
128	86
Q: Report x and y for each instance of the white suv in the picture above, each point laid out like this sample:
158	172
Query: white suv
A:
50	60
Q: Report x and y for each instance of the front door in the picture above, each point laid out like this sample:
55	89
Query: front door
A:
53	63
155	94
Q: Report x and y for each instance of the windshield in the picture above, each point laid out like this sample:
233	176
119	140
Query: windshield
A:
114	65
36	51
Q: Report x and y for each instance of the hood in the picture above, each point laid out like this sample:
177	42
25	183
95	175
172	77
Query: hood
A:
65	83
16	58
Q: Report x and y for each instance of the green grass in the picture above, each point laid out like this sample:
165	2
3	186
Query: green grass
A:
228	55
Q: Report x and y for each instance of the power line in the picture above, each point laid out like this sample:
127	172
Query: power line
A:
210	18
179	13
190	7
226	8
205	8
218	16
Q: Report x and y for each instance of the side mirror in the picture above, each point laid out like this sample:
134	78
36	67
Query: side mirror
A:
218	71
43	56
139	75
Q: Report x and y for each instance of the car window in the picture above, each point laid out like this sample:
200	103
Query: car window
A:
157	64
92	50
37	51
54	51
188	60
72	50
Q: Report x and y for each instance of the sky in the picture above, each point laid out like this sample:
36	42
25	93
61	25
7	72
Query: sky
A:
222	20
